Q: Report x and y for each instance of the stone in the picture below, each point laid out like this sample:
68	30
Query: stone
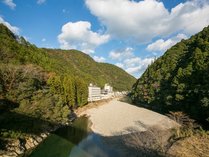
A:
35	142
43	135
15	143
27	146
29	142
10	154
19	151
38	139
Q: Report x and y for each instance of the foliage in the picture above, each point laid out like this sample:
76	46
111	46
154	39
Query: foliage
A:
73	91
40	87
17	50
81	65
179	80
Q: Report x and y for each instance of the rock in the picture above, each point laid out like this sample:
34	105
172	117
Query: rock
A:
29	142
27	146
19	151
14	143
14	148
35	142
38	139
9	154
43	135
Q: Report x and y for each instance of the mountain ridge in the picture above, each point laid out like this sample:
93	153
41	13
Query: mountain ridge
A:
57	56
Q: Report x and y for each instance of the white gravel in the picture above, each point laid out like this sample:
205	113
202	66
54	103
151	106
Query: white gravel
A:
116	117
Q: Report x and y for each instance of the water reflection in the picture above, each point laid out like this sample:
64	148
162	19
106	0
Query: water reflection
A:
77	141
60	143
94	146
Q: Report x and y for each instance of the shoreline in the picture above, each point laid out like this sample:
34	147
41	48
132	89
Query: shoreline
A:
103	120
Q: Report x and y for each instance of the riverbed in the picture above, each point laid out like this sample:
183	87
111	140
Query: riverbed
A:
115	129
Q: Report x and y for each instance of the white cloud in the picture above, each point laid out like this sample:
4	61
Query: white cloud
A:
9	3
14	29
41	1
191	16
136	66
133	70
163	45
43	39
99	59
79	35
146	19
129	62
120	65
121	54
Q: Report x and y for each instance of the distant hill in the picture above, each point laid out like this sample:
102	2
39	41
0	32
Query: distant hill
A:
179	80
80	64
17	50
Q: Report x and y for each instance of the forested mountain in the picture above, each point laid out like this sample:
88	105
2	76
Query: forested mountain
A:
40	85
80	64
179	80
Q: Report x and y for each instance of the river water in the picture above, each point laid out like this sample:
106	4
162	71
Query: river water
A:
77	141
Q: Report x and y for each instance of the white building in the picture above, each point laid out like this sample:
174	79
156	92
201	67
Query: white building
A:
94	93
108	88
107	92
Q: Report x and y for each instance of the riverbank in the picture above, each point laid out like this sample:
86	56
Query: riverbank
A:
19	146
115	117
79	111
117	129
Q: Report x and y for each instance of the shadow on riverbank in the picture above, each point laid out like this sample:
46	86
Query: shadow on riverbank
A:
16	129
61	141
76	140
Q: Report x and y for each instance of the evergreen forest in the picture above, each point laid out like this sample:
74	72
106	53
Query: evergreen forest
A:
178	80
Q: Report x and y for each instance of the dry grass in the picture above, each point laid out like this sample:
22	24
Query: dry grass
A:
194	146
153	143
191	139
187	141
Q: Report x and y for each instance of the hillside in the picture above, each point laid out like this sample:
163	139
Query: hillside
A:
39	87
179	80
17	50
29	74
80	64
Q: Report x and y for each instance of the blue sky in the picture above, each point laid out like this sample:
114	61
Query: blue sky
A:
127	33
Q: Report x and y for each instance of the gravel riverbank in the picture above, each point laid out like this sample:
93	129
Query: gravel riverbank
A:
116	117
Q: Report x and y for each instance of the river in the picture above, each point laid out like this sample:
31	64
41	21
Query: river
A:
127	131
76	141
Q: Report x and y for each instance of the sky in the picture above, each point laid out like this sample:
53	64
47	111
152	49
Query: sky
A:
127	33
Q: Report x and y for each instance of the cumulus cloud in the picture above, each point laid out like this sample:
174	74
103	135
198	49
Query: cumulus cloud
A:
129	62
136	66
14	29
120	65
9	3
79	35
146	19
41	1
99	59
121	54
163	45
